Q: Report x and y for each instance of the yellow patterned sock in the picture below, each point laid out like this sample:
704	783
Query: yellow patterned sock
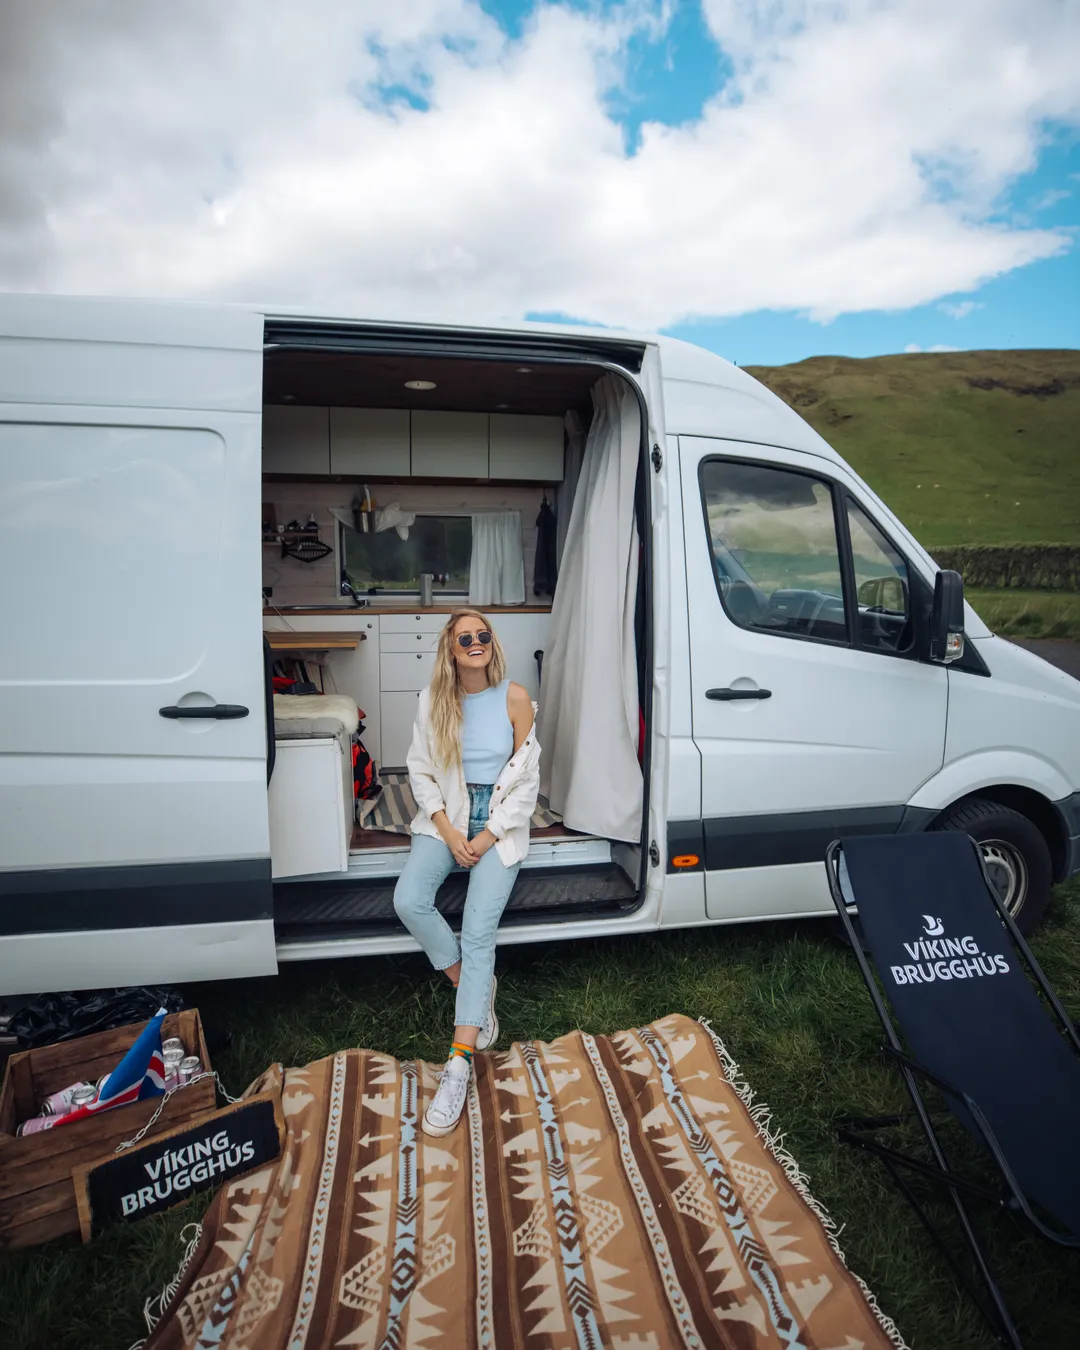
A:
465	1051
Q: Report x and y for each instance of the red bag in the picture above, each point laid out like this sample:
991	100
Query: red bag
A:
365	777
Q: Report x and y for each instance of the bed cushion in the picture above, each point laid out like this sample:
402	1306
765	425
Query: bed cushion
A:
303	715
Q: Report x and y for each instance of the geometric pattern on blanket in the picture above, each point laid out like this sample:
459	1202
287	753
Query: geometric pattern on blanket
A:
598	1191
395	806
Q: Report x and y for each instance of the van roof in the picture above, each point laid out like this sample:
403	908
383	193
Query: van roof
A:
702	392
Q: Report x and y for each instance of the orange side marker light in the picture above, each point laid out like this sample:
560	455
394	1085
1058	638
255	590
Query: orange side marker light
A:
685	860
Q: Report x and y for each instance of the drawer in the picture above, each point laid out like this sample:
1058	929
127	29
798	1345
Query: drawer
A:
420	641
413	623
403	671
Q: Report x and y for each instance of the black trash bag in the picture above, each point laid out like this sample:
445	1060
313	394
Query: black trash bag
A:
50	1018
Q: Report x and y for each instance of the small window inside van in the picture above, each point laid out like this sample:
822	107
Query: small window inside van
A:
776	557
385	562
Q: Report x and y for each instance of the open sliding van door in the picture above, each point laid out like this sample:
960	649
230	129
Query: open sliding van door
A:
133	812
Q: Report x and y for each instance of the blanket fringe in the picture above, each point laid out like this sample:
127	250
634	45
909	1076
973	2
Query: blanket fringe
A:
761	1115
162	1300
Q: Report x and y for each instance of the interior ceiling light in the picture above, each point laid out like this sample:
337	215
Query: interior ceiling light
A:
288	398
524	370
500	406
419	384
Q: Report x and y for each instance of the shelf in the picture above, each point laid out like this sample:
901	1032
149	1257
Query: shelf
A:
281	641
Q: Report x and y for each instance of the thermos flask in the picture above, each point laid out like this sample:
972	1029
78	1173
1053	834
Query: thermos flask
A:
426	580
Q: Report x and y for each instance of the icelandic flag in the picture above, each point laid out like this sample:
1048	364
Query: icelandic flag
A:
140	1074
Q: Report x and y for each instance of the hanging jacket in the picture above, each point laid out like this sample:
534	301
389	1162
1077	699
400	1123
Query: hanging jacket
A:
513	798
545	569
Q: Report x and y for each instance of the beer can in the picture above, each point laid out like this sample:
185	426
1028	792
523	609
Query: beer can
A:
83	1095
34	1124
59	1103
189	1067
173	1043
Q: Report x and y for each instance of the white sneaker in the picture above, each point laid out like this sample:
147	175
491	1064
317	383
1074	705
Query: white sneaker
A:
488	1033
445	1110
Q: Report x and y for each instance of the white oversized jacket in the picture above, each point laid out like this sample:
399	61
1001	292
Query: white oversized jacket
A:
513	798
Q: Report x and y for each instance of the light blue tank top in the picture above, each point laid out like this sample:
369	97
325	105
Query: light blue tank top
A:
487	734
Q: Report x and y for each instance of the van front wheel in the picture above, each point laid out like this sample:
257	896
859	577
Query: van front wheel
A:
1014	852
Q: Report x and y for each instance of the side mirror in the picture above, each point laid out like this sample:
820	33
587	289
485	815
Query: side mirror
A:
947	618
884	593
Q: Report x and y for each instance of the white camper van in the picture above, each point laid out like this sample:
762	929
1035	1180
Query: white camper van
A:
746	656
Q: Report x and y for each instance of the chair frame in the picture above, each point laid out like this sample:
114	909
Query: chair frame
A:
859	1131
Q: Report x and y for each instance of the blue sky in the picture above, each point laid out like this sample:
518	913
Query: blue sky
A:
770	178
669	81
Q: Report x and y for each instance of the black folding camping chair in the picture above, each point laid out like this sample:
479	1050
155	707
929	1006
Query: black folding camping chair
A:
962	1016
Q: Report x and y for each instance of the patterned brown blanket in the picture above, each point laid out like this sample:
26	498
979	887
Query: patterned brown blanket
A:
599	1191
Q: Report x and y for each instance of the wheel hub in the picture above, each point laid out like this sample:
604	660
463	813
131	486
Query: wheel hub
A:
1007	870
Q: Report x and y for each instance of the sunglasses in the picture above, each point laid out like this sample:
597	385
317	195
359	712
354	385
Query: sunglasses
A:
466	639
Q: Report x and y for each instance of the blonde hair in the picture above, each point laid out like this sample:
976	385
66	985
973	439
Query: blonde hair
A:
446	704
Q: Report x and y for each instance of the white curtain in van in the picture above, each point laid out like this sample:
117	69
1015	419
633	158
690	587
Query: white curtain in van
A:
589	718
497	565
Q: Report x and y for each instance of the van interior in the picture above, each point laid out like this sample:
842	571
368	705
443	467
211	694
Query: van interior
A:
397	484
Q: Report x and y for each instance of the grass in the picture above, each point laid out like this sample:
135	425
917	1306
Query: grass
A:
1029	614
787	1000
958	463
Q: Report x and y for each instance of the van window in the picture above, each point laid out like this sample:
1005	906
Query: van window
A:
775	553
882	585
441	545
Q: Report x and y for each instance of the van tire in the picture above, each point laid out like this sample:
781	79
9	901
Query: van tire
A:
1015	854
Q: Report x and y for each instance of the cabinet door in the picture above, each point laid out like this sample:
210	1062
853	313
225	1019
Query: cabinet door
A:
406	670
398	717
449	445
307	810
295	440
526	447
369	440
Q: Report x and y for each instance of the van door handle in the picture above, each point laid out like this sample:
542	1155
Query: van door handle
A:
729	695
221	712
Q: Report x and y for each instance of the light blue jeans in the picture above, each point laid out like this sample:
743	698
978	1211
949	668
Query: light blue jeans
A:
490	883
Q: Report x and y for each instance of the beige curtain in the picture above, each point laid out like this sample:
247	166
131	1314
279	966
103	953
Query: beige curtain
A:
588	724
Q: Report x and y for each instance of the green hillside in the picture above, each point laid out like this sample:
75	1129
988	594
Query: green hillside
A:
966	447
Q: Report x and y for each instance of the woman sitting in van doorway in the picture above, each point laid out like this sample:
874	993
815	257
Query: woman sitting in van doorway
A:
474	771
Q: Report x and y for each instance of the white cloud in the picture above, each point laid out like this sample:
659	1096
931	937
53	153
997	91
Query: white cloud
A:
1051	197
960	309
249	150
937	347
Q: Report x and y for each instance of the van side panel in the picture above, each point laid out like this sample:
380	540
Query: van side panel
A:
137	531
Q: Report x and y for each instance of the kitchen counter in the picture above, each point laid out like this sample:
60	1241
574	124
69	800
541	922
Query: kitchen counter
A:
368	611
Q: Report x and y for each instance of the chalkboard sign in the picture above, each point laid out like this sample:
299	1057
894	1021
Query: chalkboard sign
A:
164	1171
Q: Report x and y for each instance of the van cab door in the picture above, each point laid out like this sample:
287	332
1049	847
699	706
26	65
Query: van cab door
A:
133	811
812	711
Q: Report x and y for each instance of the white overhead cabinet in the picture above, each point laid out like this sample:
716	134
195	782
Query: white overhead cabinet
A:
379	443
371	441
295	439
526	447
449	444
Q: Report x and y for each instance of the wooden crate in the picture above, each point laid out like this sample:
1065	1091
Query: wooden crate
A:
37	1196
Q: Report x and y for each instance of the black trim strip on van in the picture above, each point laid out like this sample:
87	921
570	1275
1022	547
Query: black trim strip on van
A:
790	837
311	335
86	899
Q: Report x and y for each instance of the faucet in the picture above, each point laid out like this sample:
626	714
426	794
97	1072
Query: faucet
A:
347	588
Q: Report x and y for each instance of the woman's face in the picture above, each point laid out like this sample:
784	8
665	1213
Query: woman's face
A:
474	653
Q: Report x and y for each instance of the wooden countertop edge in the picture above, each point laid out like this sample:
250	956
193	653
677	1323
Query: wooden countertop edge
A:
376	610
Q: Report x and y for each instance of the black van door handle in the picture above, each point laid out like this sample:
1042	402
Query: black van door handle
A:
221	712
728	695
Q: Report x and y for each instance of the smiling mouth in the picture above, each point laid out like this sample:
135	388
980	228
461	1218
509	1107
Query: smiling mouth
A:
475	651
